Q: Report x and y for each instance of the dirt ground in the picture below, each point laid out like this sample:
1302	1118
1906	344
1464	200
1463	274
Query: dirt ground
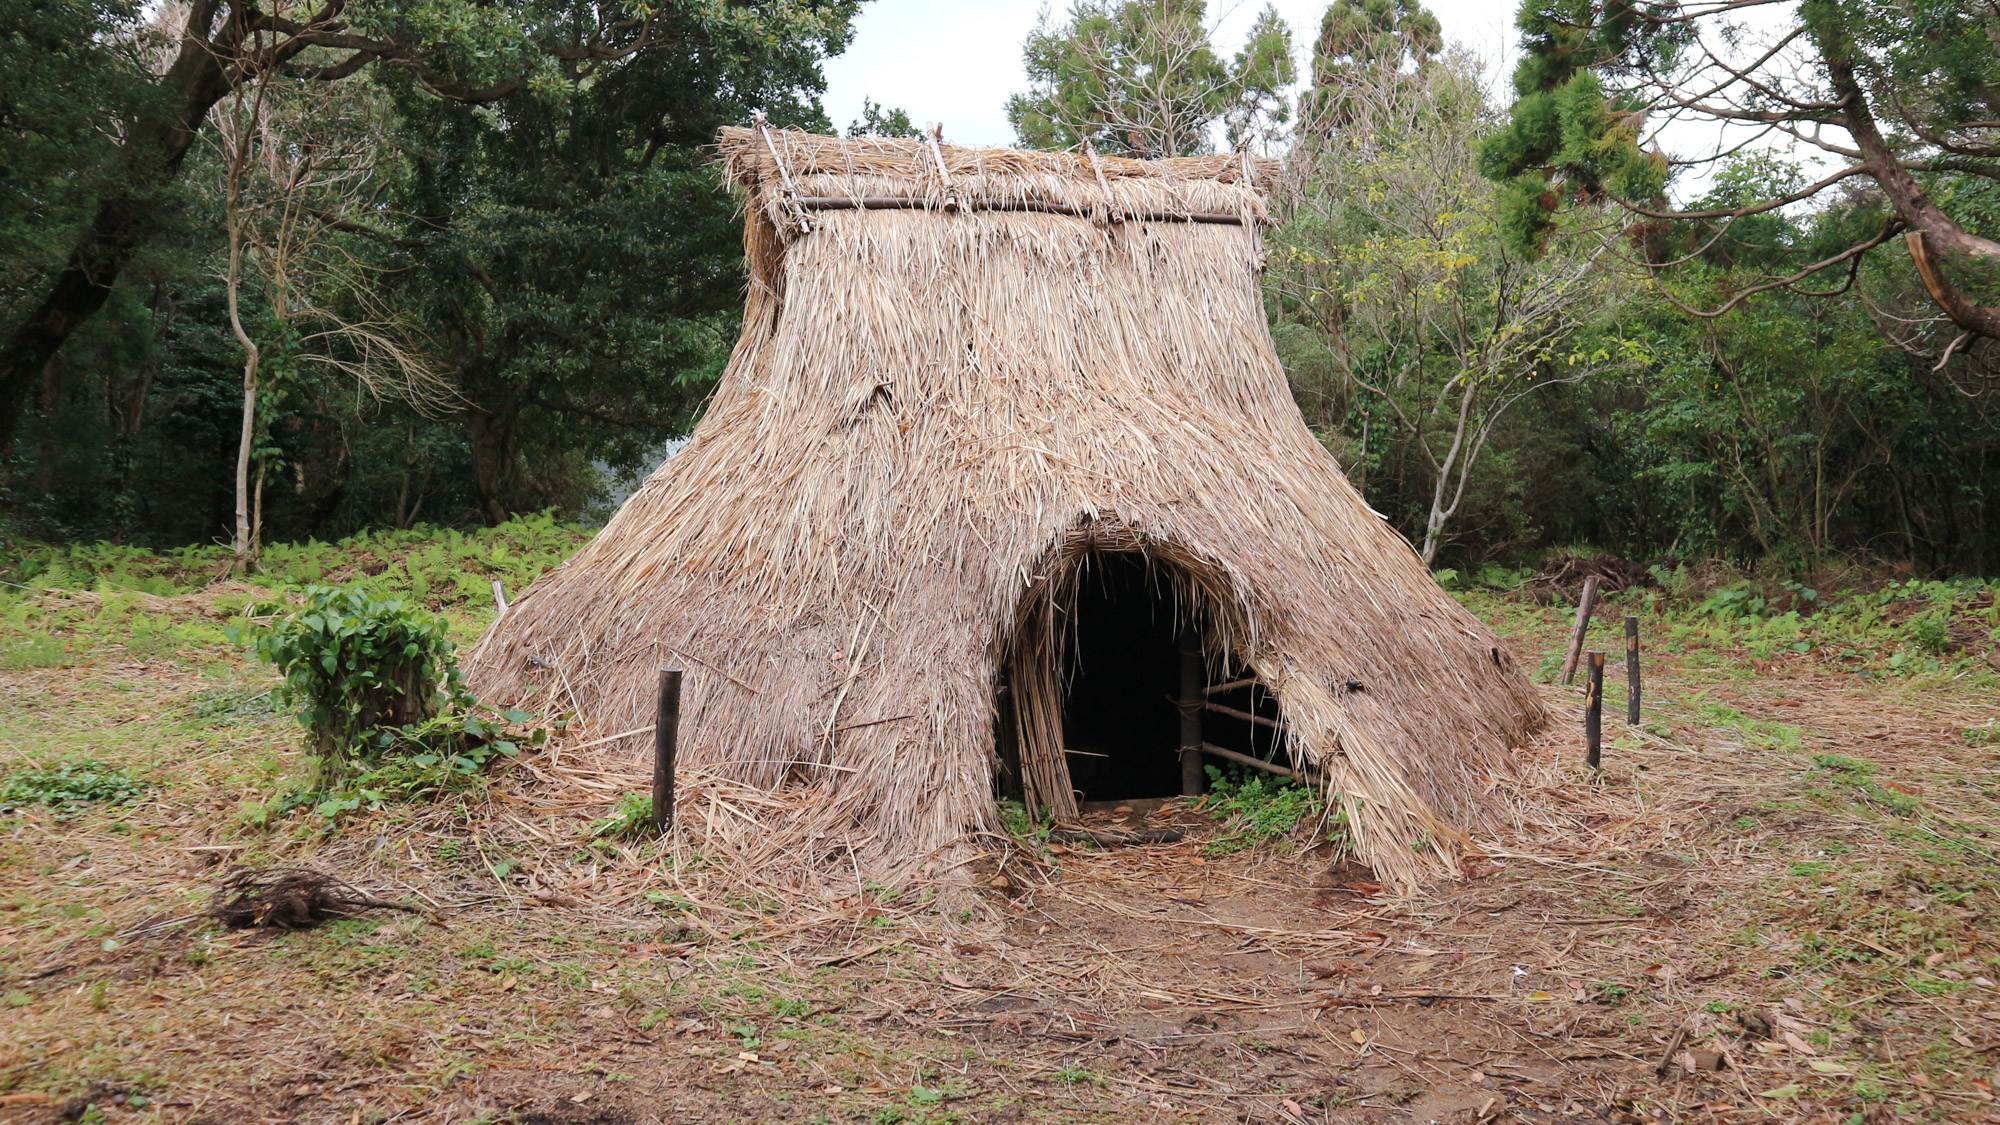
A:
1774	904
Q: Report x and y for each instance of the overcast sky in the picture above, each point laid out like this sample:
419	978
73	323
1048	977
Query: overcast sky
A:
956	61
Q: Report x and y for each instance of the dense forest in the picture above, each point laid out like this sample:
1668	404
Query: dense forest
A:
1703	281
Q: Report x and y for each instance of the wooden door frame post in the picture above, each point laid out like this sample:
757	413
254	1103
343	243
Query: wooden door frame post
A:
1192	702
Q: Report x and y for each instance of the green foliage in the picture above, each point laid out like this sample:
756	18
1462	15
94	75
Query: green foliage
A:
1931	632
1366	34
432	566
69	787
1744	599
877	120
633	816
441	754
1022	827
1141	78
356	662
65	69
1402	318
33	652
382	699
1565	139
1257	806
552	232
580	252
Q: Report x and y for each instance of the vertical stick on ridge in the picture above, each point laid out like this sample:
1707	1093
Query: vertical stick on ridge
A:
1584	605
1192	703
499	597
1631	670
666	745
1593	707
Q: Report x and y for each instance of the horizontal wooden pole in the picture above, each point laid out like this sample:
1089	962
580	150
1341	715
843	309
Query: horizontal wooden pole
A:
1244	715
1252	762
1232	685
914	203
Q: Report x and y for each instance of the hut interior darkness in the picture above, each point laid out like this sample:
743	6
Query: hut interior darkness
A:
1003	481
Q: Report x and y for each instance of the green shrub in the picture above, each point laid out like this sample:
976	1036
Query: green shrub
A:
383	702
356	663
69	787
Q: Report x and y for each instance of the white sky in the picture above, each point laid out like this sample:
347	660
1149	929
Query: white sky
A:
956	61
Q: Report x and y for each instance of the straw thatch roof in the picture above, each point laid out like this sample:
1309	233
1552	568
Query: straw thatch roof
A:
961	371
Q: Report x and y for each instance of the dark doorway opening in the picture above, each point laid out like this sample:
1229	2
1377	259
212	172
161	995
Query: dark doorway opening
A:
1121	675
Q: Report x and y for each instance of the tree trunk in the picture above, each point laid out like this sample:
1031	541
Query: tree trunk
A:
127	214
492	435
245	545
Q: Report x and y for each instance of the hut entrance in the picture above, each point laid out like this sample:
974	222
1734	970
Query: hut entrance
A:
1120	677
1089	700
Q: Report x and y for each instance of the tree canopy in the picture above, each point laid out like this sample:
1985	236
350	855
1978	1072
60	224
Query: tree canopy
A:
1142	78
1893	101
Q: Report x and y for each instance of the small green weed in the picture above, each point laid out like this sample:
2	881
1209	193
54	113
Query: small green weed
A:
1260	807
1861	776
226	707
633	815
1931	632
70	786
1021	826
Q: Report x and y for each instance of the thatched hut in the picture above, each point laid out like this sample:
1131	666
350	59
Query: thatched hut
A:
1003	434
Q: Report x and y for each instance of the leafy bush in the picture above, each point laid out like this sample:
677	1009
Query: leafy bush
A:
383	700
69	787
358	663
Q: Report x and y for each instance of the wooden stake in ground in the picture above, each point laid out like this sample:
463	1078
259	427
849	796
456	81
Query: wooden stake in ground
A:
499	597
1192	701
1583	607
1631	670
1593	706
666	744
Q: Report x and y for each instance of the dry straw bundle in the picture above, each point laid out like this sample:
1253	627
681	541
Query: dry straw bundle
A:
961	374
